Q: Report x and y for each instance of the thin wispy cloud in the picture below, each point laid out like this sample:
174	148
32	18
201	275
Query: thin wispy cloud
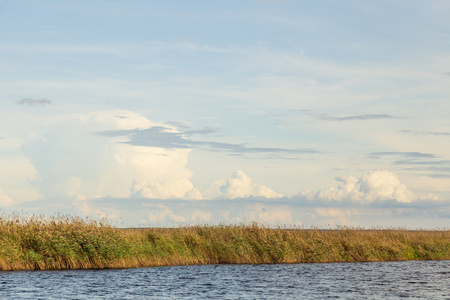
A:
405	154
271	1
156	136
428	163
241	148
356	117
440	169
303	111
414	162
434	169
61	48
162	137
179	125
206	130
439	175
34	102
426	132
430	171
121	117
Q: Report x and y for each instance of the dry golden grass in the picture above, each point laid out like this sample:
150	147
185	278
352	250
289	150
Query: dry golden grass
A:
64	242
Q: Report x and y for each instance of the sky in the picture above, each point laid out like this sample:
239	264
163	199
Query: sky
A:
168	113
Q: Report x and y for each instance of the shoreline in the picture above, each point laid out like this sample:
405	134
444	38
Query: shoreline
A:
64	243
218	264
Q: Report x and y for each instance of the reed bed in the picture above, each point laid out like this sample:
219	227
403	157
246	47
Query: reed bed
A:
64	242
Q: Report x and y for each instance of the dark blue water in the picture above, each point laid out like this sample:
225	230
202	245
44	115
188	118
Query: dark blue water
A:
380	280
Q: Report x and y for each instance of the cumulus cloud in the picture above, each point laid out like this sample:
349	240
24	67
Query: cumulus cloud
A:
160	213
166	189
17	178
285	211
85	166
5	200
81	204
239	185
269	214
376	185
108	213
34	102
336	216
201	216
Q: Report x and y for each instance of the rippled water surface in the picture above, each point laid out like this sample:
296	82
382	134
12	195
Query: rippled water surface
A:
380	280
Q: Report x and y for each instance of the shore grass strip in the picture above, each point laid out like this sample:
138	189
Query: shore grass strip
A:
64	242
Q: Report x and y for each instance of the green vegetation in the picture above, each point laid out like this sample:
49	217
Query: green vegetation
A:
38	243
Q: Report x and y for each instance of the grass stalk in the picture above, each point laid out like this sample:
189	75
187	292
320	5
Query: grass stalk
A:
64	242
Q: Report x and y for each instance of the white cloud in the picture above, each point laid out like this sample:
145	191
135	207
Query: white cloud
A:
160	213
376	185
80	203
336	216
72	161
108	213
171	188
239	185
72	186
5	200
384	185
201	216
16	178
269	214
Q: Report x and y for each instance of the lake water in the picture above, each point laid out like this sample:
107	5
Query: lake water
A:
378	280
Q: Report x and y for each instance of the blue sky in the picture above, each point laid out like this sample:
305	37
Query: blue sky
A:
157	113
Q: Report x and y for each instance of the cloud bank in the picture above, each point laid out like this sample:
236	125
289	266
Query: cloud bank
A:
376	198
99	172
239	185
374	186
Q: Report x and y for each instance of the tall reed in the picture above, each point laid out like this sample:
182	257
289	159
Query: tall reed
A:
64	242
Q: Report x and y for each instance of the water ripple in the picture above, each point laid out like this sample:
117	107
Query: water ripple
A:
380	280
